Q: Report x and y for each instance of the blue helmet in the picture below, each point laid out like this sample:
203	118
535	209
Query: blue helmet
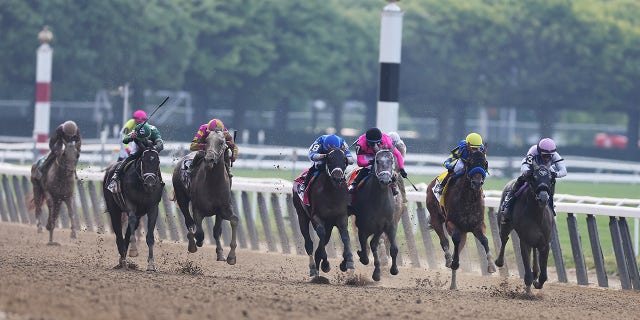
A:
331	141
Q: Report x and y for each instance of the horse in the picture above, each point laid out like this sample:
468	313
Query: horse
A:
373	207
209	192
463	212
532	219
330	200
56	186
141	191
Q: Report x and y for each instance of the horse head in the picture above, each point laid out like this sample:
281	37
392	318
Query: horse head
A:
383	166
150	169
336	163
215	146
68	159
476	166
540	183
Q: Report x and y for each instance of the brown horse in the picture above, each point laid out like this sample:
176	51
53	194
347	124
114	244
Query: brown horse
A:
330	200
56	186
209	192
533	221
463	212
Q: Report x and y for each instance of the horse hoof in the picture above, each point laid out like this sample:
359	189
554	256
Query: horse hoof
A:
73	235
199	243
499	263
364	259
54	244
39	229
231	260
192	244
151	267
455	265
394	270
343	266
527	289
313	272
537	285
376	275
123	263
491	268
133	253
220	257
326	267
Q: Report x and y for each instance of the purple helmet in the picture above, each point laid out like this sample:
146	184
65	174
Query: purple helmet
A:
546	146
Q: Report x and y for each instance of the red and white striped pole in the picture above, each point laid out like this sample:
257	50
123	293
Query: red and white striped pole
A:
42	112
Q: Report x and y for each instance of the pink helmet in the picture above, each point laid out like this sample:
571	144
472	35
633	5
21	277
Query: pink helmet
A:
139	116
546	146
215	124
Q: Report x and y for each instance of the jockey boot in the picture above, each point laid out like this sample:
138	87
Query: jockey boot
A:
361	174
307	178
441	185
196	159
114	185
508	200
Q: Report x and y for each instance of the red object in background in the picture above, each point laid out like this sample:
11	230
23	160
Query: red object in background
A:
610	141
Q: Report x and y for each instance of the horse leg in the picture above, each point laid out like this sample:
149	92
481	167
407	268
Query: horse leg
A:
504	238
438	227
199	236
38	199
303	222
542	258
375	241
54	210
525	251
479	234
384	250
458	239
71	212
536	264
321	253
393	248
363	253
217	232
347	256
130	219
231	258
152	217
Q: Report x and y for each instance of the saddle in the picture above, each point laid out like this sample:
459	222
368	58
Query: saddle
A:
304	195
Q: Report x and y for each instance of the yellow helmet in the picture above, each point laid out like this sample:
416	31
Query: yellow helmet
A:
474	140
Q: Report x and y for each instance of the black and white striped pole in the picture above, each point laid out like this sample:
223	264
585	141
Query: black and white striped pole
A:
390	51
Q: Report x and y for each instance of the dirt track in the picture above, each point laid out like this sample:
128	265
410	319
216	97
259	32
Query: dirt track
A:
77	280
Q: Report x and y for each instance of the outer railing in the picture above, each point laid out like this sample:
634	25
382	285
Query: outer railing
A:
269	223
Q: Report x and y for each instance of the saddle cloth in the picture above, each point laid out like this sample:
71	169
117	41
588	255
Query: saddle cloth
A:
297	184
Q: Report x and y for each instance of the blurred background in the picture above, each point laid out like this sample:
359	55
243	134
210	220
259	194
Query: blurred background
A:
283	72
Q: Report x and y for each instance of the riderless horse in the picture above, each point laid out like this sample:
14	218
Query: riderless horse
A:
56	186
207	187
141	189
329	201
463	211
532	219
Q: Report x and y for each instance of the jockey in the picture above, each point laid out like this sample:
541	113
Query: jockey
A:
139	116
471	143
144	135
66	132
367	146
198	144
319	150
544	153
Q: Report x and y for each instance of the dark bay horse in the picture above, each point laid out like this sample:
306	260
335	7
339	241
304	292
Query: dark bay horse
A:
533	221
56	186
141	190
329	202
209	192
463	212
374	207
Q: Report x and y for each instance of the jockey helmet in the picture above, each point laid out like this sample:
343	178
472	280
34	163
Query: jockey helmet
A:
546	146
395	137
373	135
143	130
330	142
215	124
69	128
473	140
140	116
